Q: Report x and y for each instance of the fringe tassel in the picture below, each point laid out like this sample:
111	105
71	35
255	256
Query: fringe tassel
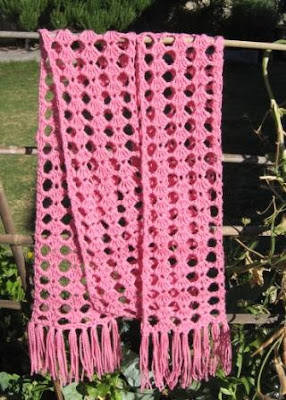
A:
116	343
173	360
95	352
186	362
144	362
85	355
177	360
74	356
71	354
61	355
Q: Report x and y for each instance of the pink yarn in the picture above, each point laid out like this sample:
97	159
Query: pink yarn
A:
129	206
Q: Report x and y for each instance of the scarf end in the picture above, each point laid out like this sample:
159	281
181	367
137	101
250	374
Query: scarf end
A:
183	357
70	354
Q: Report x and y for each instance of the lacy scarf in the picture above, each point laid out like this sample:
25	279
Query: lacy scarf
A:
129	206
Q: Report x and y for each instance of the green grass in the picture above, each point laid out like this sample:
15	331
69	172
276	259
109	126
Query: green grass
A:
244	104
18	125
18	103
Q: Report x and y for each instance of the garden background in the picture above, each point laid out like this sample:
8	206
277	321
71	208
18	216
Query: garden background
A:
255	271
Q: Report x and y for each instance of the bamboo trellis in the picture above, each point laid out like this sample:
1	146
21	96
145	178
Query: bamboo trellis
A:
16	241
228	158
228	43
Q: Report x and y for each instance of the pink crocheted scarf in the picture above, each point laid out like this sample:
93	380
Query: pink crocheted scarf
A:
129	206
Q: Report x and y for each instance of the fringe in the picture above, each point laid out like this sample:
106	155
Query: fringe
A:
70	354
171	359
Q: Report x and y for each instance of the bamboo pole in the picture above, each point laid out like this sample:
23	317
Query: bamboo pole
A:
243	44
227	158
6	216
235	230
10	304
245	159
249	319
17	240
15	150
228	43
240	318
19	35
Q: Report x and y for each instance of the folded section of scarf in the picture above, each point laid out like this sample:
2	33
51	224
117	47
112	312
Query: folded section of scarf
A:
129	206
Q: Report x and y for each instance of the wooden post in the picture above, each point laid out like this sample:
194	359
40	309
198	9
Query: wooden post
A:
58	390
6	216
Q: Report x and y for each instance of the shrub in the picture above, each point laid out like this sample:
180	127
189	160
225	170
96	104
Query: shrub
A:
25	13
99	15
253	20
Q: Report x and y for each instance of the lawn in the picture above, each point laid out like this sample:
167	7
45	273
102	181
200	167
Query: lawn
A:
244	104
18	124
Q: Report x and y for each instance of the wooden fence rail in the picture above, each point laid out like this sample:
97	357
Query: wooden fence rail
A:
235	230
228	43
227	158
240	318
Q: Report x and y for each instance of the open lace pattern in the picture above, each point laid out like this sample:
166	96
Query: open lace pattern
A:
129	206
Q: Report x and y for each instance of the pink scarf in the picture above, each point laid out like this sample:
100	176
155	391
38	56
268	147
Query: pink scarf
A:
129	206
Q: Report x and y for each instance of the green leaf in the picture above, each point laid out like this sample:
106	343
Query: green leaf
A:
102	389
147	395
92	393
226	391
130	369
281	228
246	384
4	380
59	19
128	396
117	395
70	392
239	360
195	386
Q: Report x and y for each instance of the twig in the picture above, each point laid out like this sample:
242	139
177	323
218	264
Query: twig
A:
280	371
280	332
284	351
249	249
263	365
